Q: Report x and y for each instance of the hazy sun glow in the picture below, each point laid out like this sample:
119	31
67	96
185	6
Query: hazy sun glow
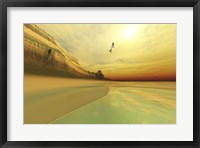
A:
142	51
129	32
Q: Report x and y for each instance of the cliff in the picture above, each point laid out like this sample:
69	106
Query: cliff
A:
44	55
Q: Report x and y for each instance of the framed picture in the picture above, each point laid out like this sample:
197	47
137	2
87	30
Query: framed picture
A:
100	73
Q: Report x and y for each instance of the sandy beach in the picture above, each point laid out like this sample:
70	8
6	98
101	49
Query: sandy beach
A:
54	97
81	101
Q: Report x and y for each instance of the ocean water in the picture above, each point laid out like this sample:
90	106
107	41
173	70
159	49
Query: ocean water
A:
128	103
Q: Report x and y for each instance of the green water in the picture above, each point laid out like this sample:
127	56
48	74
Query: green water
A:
129	103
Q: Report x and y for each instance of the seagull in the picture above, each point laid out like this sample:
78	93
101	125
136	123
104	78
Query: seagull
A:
112	46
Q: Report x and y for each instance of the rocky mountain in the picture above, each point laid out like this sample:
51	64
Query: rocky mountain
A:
45	56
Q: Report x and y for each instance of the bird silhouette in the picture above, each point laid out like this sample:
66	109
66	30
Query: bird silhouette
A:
112	46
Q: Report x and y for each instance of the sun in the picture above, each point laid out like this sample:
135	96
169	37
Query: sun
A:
129	32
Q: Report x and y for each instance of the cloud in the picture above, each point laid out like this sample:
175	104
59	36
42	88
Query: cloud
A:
149	47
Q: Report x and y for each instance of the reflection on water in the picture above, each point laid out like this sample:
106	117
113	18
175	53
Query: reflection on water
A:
129	103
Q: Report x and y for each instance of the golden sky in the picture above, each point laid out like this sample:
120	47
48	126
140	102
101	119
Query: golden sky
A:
142	51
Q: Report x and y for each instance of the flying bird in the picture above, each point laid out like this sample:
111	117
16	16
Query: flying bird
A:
112	46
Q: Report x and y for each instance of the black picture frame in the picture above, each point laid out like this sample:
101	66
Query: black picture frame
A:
4	4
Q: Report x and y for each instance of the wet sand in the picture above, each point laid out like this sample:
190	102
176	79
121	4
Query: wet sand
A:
54	97
78	101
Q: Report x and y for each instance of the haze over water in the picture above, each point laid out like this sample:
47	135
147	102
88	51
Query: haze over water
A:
129	103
